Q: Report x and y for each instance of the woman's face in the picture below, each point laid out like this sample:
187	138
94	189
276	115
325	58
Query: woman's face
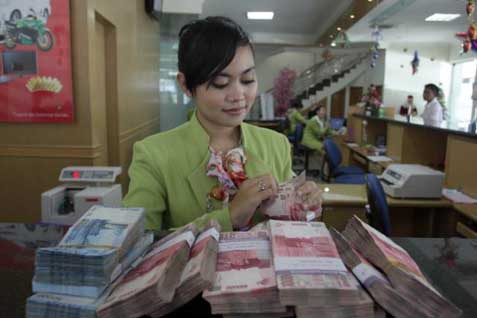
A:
428	95
226	100
322	112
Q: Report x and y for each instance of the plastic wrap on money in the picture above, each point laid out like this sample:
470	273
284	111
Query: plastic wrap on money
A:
153	281
308	267
288	205
402	271
199	273
62	305
245	279
86	260
389	298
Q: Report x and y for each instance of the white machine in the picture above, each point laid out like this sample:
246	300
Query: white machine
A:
412	181
83	187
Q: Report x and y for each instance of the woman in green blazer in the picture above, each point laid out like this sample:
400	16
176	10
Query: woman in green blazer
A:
316	130
214	166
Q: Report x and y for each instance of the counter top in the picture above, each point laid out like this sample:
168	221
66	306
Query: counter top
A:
446	126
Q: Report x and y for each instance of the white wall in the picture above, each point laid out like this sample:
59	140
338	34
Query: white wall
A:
374	75
399	81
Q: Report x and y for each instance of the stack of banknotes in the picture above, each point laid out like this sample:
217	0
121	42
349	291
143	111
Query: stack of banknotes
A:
86	260
199	273
401	270
245	281
376	283
73	278
310	273
152	283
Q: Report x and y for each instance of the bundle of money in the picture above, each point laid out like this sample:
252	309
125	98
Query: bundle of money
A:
399	268
389	298
288	205
245	279
44	305
308	267
87	259
199	273
153	281
364	308
288	314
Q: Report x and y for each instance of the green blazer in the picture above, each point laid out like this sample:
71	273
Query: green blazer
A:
295	118
314	134
168	173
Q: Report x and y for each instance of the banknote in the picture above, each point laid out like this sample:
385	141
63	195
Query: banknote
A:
288	205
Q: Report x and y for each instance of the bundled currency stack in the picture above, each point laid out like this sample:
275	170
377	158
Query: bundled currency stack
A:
245	279
364	307
309	270
399	268
289	205
289	314
87	260
153	281
43	305
393	301
199	273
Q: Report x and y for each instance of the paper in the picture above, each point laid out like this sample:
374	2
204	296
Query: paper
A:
379	158
458	197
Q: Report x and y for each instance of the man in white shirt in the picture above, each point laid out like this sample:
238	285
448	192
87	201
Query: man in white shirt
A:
433	114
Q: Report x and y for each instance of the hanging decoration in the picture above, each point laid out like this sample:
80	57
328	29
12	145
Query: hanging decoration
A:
374	54
342	39
282	90
470	8
415	63
469	38
376	36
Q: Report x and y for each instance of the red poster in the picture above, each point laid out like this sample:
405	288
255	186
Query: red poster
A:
35	61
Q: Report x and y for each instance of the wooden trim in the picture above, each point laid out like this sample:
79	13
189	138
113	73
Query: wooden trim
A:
465	231
47	151
133	132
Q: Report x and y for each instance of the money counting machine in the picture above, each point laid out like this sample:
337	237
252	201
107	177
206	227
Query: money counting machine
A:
82	188
412	181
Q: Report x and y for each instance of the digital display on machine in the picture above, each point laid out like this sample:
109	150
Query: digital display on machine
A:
78	174
394	174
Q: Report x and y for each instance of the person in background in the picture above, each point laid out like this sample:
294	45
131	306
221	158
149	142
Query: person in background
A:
214	166
433	114
295	116
408	108
316	130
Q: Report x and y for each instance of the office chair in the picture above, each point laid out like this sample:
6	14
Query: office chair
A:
350	179
378	210
333	158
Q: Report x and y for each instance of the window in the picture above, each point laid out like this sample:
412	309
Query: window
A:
461	104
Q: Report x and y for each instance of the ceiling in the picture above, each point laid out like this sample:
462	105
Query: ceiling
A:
297	22
407	18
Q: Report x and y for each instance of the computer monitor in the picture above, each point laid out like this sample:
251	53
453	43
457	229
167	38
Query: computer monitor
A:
19	62
336	123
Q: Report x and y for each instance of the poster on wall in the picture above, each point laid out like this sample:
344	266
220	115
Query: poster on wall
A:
35	61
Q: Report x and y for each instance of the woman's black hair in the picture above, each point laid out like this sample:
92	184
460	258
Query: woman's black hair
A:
206	47
433	88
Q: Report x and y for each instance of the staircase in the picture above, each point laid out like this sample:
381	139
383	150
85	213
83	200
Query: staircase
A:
327	78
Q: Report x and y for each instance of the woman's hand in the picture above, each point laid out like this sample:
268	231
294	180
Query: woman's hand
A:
310	193
250	195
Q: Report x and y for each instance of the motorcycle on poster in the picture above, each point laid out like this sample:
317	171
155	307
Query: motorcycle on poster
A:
35	61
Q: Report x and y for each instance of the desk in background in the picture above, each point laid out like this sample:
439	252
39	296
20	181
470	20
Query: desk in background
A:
454	277
409	217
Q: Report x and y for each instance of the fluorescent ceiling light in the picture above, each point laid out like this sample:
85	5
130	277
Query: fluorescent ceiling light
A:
442	17
260	15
